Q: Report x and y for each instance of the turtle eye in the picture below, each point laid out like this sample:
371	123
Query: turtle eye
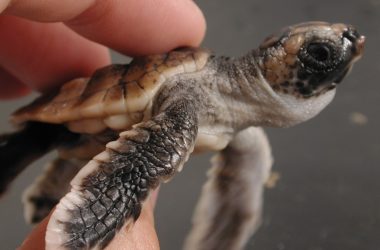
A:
318	56
319	51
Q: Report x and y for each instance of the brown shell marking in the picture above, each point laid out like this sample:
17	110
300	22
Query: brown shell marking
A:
112	91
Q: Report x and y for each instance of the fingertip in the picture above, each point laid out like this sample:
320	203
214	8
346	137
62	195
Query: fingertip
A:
185	23
196	20
142	27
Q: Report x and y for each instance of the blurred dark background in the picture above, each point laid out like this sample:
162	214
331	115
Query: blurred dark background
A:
328	194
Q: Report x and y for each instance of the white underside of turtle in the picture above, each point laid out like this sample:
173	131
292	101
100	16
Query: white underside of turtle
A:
128	128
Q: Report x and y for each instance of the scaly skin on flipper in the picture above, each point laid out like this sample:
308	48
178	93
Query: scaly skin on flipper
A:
183	99
109	191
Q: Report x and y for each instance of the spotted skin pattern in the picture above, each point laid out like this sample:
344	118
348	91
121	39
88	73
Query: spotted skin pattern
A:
280	58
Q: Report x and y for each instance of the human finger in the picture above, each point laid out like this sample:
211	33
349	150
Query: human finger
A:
45	11
10	86
132	27
135	27
43	56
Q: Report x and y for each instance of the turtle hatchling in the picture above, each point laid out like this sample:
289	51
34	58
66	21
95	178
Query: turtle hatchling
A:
128	128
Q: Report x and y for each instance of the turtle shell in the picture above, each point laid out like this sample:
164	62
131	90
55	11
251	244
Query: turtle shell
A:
115	96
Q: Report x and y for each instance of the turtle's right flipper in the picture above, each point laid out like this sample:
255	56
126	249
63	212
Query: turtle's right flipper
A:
229	210
19	149
108	193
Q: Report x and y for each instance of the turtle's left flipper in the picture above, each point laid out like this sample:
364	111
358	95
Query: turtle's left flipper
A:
109	191
19	149
229	210
48	188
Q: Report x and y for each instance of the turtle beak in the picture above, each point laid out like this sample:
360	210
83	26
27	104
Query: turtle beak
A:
356	40
357	47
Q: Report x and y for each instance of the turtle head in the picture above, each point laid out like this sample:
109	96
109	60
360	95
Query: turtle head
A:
309	59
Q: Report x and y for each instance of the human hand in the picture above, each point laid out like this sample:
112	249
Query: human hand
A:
45	43
142	236
40	56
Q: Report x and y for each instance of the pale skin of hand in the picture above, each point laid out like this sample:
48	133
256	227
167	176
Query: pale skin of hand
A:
45	43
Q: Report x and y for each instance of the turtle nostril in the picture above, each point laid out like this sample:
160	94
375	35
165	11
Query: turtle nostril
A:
356	40
351	34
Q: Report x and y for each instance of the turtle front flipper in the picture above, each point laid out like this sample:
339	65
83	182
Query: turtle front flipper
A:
19	149
108	193
229	210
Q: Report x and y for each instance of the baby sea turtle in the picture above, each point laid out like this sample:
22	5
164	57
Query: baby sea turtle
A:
128	128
